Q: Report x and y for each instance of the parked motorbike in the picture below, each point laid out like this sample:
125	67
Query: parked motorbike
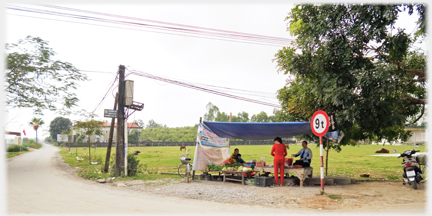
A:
412	172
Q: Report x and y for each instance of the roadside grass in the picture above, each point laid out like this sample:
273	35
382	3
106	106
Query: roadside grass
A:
350	162
13	154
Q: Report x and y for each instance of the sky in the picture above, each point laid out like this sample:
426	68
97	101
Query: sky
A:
237	65
221	63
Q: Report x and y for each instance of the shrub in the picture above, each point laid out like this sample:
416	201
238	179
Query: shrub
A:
133	165
16	148
34	144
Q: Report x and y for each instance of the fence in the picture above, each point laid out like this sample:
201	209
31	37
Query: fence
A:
151	144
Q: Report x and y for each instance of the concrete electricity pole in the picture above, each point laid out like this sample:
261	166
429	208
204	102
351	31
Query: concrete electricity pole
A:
120	153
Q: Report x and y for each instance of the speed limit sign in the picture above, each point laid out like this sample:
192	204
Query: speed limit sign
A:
319	123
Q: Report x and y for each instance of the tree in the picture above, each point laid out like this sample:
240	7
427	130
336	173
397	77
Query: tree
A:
60	125
34	79
211	113
152	124
89	128
350	60
134	136
48	139
36	123
140	123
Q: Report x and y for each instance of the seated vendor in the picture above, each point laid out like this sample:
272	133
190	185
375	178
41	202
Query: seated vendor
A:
234	156
239	159
305	156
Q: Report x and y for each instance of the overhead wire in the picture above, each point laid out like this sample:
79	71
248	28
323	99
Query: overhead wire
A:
108	90
207	90
179	29
162	22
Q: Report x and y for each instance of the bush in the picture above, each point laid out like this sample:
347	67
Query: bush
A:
16	148
34	144
133	165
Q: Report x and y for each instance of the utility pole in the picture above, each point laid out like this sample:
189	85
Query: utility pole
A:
110	139
120	157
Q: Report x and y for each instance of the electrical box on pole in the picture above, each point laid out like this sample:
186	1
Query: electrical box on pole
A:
129	90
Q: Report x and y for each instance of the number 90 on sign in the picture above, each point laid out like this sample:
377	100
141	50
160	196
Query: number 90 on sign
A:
319	123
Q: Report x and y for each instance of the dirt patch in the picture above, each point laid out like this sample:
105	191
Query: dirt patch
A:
361	197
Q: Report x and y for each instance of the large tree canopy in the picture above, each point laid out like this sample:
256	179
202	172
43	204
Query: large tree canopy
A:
59	125
36	80
352	61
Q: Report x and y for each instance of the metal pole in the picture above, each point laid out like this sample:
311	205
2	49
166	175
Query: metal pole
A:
322	163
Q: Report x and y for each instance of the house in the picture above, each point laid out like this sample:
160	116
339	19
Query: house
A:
106	128
105	132
418	134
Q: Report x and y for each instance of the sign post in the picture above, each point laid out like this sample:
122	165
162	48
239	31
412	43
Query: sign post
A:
25	141
319	125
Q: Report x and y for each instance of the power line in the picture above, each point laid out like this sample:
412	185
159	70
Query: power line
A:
167	28
207	90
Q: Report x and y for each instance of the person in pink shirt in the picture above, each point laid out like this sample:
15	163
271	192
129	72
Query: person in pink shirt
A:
279	152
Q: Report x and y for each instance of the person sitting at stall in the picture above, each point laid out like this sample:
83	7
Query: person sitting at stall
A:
234	156
239	159
305	156
279	151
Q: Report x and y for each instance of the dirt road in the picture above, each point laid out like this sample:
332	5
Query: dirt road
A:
38	182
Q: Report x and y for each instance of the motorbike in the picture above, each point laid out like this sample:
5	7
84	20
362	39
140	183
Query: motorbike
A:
412	172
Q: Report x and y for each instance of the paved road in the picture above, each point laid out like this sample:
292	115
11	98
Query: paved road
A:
39	184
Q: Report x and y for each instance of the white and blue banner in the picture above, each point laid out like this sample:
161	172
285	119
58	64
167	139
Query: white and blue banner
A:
210	148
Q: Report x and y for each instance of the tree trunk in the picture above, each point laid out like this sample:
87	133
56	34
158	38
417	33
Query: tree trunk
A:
89	150
36	135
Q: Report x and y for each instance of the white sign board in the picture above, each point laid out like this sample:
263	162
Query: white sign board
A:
62	138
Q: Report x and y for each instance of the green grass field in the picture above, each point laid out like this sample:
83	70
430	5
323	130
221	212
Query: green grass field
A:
350	162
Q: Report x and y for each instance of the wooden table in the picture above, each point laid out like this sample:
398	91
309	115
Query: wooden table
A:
248	174
299	172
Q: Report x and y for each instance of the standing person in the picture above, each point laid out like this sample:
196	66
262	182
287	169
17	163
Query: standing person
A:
279	152
305	155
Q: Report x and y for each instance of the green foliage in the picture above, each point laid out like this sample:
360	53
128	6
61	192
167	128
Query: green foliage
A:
49	140
153	124
34	144
35	79
16	148
165	134
60	125
89	128
133	165
134	136
213	114
346	61
334	196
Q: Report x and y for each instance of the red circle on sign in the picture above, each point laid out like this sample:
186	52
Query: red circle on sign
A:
319	117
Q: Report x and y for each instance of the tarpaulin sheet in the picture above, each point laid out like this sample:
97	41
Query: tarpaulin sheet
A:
258	131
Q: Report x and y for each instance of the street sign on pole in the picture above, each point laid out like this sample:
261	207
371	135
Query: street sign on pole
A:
319	125
109	113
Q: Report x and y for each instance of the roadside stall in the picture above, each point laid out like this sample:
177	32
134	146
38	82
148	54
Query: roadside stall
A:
212	145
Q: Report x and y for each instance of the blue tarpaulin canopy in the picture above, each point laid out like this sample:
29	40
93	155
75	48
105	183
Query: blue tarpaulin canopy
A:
258	131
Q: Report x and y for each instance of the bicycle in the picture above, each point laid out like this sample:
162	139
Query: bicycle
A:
184	170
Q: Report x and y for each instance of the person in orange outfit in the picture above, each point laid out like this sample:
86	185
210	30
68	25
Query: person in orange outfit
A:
279	151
